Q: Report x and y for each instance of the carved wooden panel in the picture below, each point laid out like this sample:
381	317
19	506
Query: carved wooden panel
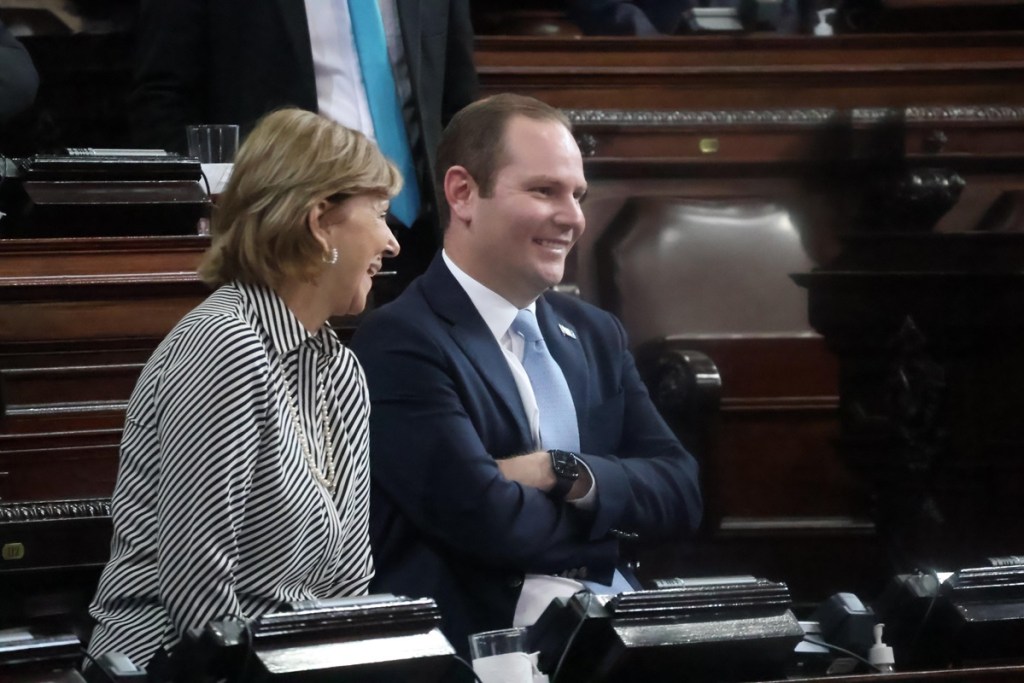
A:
668	188
931	375
78	318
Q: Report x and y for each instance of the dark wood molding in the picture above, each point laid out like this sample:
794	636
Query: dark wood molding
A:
597	118
54	510
806	117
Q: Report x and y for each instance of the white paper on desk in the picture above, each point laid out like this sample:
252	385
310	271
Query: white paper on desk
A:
513	667
217	176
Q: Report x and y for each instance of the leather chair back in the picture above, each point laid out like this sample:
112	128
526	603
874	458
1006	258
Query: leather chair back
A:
674	266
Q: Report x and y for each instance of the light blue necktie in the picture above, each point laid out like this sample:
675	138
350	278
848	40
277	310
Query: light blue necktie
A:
558	428
386	110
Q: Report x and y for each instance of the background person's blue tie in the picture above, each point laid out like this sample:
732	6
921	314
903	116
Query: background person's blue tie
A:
386	110
558	427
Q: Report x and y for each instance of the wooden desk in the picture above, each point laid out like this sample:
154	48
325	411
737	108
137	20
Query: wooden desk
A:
78	318
757	71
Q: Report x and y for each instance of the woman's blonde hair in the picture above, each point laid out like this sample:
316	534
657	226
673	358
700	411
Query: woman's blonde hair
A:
292	160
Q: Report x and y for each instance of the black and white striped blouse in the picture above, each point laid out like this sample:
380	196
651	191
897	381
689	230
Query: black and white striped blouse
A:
216	510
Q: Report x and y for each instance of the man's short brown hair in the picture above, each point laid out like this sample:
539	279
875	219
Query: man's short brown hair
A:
475	140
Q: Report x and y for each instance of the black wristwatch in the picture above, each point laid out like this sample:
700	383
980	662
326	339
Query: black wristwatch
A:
567	470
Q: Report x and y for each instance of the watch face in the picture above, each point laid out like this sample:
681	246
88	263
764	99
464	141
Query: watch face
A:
565	464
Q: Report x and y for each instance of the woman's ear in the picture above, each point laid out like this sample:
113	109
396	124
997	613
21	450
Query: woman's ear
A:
460	191
317	226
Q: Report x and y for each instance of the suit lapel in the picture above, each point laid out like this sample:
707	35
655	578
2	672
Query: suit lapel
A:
468	330
565	347
409	21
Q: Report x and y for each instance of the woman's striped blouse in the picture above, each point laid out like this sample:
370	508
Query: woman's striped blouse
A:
216	512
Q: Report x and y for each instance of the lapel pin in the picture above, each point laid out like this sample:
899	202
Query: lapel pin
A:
566	331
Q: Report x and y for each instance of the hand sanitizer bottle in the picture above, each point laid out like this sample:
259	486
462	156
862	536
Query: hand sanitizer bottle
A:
824	28
880	655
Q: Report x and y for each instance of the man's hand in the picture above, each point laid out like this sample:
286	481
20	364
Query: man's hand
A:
534	469
531	469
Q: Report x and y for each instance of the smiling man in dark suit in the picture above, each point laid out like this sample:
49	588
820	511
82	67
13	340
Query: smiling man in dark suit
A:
502	472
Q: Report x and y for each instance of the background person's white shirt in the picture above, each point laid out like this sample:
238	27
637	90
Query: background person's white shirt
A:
340	91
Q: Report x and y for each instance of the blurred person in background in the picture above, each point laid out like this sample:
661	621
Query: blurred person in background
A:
19	80
231	61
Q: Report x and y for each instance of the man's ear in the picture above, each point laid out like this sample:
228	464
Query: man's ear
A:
316	224
461	192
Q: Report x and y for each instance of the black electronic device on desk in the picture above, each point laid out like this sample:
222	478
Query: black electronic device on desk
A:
969	617
986	613
358	640
843	636
738	630
29	655
101	193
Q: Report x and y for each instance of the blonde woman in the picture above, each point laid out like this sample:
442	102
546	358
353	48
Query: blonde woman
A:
243	480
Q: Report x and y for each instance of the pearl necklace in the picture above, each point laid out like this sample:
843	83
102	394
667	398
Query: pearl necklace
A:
329	482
